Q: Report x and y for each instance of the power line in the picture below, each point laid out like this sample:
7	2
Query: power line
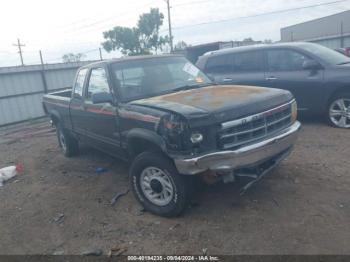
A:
126	13
110	18
194	2
85	52
257	15
105	19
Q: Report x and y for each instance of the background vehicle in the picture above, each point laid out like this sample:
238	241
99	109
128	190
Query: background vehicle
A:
167	118
344	51
318	77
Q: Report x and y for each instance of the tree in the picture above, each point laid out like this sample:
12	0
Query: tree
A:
142	39
181	45
70	57
249	39
148	25
124	39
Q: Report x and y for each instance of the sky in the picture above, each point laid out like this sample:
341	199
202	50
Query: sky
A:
57	27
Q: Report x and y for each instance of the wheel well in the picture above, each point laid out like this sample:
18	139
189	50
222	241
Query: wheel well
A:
340	90
137	146
54	119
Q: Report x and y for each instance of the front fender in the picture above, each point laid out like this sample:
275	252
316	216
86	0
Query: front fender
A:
145	135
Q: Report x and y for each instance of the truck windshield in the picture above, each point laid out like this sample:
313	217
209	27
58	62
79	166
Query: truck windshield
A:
328	55
149	77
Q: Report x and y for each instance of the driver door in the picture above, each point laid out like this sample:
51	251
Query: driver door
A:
101	119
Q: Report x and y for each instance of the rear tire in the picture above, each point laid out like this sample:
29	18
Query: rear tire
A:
338	112
68	144
158	186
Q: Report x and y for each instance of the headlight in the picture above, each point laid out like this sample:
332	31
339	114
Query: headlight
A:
172	124
294	111
196	138
173	129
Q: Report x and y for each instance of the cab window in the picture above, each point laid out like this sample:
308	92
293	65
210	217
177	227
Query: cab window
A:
97	83
285	60
248	62
218	64
79	83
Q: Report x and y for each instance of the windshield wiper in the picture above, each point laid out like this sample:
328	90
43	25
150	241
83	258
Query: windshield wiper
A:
344	63
188	87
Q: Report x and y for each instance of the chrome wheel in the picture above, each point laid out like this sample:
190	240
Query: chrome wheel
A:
339	112
157	186
62	141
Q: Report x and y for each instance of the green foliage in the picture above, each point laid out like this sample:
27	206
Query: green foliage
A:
122	38
180	46
139	40
70	57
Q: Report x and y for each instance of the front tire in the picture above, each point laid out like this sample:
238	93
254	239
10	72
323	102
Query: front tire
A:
68	144
338	114
158	186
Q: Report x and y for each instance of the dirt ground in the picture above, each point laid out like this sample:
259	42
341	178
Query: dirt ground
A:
62	206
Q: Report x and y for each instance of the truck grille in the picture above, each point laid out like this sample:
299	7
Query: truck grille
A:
246	130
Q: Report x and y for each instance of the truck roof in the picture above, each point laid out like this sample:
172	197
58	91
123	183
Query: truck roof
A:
129	58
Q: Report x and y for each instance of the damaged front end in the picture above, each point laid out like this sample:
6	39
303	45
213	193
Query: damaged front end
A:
272	135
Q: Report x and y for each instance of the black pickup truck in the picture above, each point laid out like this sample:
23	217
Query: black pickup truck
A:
171	122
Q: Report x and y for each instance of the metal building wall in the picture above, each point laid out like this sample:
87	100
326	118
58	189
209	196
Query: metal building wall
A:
334	43
22	88
332	31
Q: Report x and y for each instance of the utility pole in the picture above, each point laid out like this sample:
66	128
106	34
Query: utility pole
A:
41	57
169	22
101	58
19	45
42	73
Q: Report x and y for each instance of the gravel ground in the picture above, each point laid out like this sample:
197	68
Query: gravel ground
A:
61	206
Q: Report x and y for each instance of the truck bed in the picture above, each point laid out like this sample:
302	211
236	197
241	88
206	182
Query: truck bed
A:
56	104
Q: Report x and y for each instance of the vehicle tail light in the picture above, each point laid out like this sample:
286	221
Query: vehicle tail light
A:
347	51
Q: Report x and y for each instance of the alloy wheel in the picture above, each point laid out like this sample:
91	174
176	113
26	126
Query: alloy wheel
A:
339	112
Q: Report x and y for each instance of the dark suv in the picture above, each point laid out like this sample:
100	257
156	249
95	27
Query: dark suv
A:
318	77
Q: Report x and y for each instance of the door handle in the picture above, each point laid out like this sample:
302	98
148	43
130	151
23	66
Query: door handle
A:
227	79
269	78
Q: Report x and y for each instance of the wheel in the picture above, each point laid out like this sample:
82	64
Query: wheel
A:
67	143
339	111
158	186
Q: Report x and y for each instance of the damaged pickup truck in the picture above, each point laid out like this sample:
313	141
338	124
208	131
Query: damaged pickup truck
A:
171	122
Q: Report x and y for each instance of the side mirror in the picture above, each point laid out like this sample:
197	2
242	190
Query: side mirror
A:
103	97
311	65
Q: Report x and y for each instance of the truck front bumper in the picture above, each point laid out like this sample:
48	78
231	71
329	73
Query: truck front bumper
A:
248	156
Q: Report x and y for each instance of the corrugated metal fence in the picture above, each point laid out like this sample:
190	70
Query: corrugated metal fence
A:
22	88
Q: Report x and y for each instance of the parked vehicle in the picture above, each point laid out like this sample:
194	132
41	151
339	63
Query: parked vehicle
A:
318	77
344	51
166	117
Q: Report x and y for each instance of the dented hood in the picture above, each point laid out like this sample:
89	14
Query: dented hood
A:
218	102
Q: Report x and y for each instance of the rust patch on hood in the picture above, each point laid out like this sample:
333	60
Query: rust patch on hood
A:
212	97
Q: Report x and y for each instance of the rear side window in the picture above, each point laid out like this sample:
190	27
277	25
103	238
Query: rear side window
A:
218	64
285	60
130	77
248	62
98	82
79	82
